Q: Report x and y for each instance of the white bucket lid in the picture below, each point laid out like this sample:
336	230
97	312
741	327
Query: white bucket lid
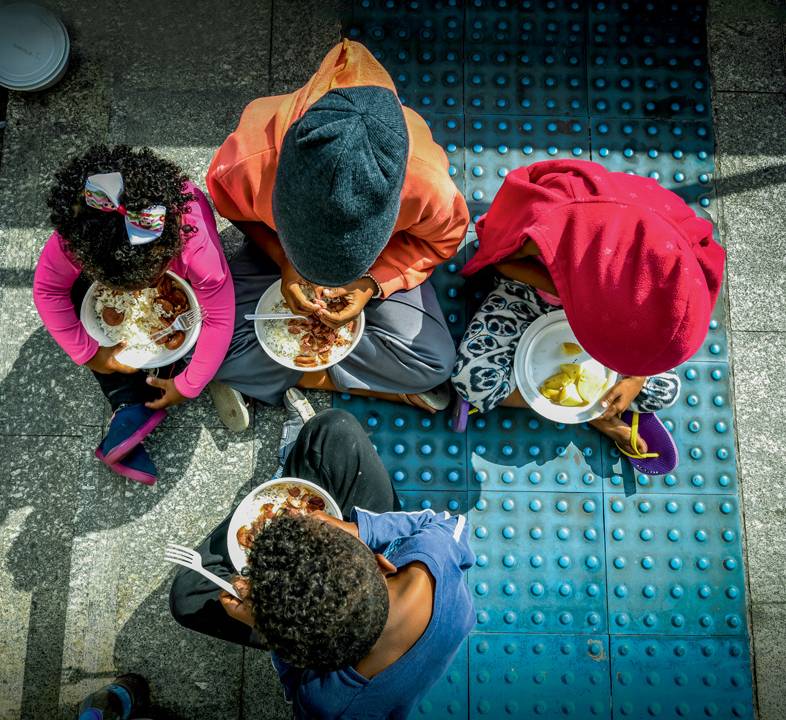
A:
33	45
50	79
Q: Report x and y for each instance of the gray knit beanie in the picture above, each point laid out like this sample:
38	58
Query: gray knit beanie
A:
338	183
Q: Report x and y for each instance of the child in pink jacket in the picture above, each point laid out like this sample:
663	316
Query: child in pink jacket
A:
124	217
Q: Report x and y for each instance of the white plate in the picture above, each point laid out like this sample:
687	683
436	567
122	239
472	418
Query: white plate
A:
141	359
267	302
251	506
538	357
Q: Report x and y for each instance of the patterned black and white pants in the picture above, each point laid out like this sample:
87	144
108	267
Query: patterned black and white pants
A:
483	374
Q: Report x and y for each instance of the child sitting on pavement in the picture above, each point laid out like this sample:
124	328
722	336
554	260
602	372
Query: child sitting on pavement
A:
124	217
362	616
634	268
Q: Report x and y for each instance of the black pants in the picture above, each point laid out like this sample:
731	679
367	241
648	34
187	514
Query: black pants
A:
332	451
120	388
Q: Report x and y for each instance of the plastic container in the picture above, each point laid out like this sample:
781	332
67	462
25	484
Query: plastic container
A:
34	47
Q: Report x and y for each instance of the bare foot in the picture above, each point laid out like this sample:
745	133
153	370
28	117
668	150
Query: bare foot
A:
322	381
619	432
418	402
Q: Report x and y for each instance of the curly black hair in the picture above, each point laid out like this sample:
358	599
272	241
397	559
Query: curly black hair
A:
319	598
98	239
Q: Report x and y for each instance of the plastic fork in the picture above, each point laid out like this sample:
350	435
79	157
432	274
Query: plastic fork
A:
184	321
272	316
181	555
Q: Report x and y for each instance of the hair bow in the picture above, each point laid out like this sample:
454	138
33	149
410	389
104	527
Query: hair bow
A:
103	191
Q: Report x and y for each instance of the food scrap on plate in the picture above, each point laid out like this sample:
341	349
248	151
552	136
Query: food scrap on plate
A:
293	499
135	316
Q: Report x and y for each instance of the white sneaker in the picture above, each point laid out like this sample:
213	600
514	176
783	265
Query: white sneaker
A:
296	402
299	412
229	405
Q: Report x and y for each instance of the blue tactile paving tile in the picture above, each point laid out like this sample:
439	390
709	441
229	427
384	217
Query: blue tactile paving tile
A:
681	679
525	58
427	78
496	145
519	450
419	450
648	59
448	132
539	676
701	423
624	83
679	155
421	46
531	80
436	500
449	696
449	285
674	565
540	565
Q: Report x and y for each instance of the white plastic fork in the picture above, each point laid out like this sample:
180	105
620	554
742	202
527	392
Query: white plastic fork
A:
181	555
184	321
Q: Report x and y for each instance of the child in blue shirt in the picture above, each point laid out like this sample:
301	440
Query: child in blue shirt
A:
363	615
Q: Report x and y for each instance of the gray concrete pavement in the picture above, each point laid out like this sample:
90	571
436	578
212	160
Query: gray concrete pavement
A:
749	73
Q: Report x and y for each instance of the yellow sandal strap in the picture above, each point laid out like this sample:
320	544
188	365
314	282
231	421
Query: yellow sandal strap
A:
634	442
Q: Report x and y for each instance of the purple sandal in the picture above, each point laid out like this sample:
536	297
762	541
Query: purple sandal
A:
460	415
662	456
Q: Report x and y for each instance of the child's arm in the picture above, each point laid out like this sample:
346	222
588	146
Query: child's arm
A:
378	531
529	272
211	279
55	275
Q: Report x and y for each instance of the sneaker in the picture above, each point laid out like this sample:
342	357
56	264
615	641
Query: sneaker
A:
130	424
136	466
230	406
299	412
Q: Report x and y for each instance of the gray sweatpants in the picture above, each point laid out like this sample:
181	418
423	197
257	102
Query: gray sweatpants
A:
406	346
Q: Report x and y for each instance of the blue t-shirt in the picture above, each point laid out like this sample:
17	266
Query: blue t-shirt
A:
441	542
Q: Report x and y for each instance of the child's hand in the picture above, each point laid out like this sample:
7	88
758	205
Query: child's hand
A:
349	527
292	290
171	394
357	294
105	362
618	399
239	610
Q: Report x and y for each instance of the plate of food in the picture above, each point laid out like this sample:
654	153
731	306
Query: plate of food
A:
556	376
304	343
111	316
269	500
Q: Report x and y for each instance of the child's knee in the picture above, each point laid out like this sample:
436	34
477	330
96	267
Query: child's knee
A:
335	423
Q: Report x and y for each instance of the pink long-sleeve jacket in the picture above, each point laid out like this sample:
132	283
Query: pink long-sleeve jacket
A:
201	262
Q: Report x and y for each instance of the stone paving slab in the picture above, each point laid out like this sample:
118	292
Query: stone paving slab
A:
758	367
748	56
769	630
752	185
39	503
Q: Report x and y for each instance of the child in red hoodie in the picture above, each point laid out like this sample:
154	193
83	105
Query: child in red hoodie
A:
634	268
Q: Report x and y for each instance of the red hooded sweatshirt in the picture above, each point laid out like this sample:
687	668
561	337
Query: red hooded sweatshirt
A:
638	273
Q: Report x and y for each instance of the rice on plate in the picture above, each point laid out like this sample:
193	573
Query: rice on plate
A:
304	343
286	337
132	317
140	317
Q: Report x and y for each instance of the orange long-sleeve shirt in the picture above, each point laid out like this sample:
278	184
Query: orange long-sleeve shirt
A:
433	216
